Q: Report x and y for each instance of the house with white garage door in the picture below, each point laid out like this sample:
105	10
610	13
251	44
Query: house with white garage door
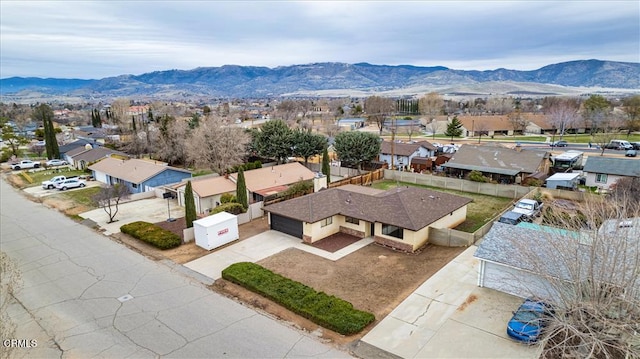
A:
138	175
400	217
533	260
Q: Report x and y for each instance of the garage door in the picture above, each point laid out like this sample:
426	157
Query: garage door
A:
286	225
515	281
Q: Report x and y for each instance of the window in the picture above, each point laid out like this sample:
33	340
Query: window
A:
601	178
325	222
135	185
352	220
392	231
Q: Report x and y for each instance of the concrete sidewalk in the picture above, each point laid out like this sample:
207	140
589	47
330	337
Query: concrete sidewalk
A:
449	316
259	247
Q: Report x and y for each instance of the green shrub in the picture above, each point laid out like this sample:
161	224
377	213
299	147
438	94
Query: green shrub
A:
228	198
152	234
323	309
231	207
476	176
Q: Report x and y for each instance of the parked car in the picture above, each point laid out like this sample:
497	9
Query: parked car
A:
512	217
53	181
52	163
636	145
559	144
529	321
70	183
529	207
24	164
631	153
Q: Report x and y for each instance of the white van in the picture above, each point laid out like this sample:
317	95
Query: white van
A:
619	145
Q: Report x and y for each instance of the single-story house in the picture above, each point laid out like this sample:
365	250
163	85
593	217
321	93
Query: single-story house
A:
82	157
494	125
271	180
602	172
400	217
79	143
206	191
139	175
532	260
402	153
352	123
501	164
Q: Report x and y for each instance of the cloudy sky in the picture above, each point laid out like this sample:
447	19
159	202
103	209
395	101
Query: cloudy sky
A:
96	39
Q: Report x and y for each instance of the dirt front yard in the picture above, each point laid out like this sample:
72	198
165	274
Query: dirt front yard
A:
374	278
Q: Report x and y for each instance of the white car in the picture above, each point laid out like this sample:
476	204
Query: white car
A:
52	163
70	183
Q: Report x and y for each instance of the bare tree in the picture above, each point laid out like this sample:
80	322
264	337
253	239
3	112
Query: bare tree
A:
378	108
433	128
480	129
499	106
119	109
518	121
411	127
10	282
288	110
631	107
431	105
216	146
170	140
588	268
109	198
563	113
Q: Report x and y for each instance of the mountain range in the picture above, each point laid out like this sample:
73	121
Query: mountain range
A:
336	79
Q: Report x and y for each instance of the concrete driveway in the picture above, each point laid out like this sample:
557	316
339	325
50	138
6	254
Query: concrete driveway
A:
449	316
259	247
150	210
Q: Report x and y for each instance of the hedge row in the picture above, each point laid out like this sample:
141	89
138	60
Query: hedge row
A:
231	207
152	234
325	310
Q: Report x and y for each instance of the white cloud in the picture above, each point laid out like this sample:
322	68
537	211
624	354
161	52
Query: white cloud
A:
94	39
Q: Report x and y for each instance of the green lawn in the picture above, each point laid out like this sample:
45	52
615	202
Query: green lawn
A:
479	212
82	196
40	176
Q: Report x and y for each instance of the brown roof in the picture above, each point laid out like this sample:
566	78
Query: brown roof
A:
96	154
404	148
496	159
406	207
211	186
498	122
133	170
280	175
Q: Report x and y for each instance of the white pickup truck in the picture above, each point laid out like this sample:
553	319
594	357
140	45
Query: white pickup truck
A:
529	207
52	182
24	164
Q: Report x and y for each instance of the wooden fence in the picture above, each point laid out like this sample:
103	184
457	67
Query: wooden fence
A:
361	180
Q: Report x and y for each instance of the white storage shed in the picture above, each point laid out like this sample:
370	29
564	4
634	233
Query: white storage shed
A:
216	230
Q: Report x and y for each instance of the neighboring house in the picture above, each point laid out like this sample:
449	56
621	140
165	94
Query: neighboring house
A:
266	181
399	218
402	153
602	172
499	125
139	175
351	123
507	262
501	164
80	143
206	191
81	158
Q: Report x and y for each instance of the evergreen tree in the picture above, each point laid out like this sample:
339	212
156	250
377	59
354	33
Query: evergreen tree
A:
326	169
454	128
241	190
44	113
133	124
189	205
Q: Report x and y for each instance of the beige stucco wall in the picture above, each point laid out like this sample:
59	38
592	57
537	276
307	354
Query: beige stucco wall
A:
315	232
417	239
591	180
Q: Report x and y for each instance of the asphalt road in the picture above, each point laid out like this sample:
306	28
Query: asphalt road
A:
84	295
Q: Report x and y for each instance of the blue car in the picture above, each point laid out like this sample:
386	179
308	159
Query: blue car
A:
528	321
